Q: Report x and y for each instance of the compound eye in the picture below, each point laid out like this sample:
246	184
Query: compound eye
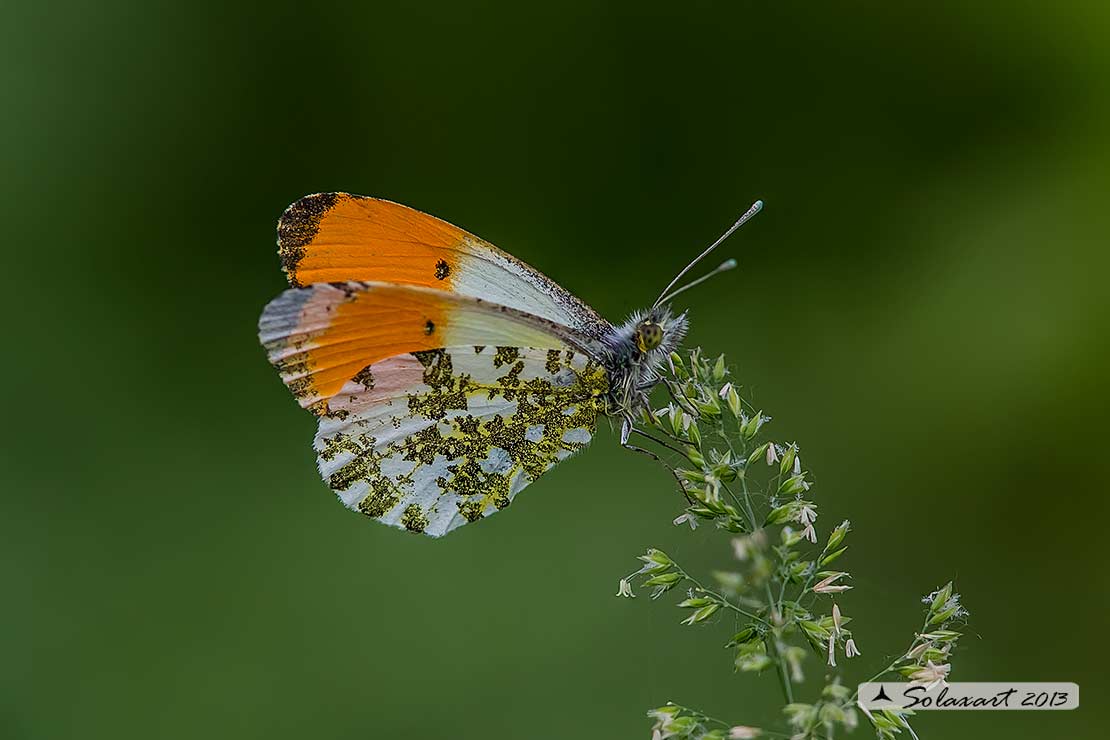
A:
649	335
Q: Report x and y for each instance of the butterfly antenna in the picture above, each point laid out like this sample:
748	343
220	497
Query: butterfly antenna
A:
723	267
739	222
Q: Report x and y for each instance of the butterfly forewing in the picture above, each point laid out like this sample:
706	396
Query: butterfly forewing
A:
337	237
434	439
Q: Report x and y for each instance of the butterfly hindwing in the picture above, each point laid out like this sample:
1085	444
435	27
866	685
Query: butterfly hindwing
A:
337	237
433	439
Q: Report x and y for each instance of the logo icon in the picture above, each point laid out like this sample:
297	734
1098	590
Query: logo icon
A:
881	696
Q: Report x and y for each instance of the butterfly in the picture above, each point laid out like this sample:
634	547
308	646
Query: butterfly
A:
446	374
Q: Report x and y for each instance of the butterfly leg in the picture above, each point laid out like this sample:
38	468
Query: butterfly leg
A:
663	443
653	456
674	438
626	431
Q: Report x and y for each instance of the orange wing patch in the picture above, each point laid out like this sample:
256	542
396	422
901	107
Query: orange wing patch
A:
334	237
324	335
319	339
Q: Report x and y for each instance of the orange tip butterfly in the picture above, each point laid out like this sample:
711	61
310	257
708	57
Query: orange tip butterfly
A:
447	375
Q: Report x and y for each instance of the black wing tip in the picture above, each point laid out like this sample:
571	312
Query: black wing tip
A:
298	226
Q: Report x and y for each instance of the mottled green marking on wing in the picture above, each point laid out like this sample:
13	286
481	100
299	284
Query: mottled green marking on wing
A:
478	436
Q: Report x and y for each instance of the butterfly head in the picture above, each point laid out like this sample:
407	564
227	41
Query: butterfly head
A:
658	332
637	350
648	335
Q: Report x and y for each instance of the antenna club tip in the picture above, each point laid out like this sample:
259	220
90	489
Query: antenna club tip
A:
754	209
728	264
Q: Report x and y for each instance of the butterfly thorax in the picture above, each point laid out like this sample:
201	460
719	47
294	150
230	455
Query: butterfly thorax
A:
635	353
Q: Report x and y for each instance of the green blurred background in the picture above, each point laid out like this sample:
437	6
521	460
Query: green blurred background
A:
922	305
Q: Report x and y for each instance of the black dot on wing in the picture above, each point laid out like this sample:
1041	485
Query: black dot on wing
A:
429	327
442	269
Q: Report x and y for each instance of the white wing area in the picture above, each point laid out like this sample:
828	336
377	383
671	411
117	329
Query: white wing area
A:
485	272
432	440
